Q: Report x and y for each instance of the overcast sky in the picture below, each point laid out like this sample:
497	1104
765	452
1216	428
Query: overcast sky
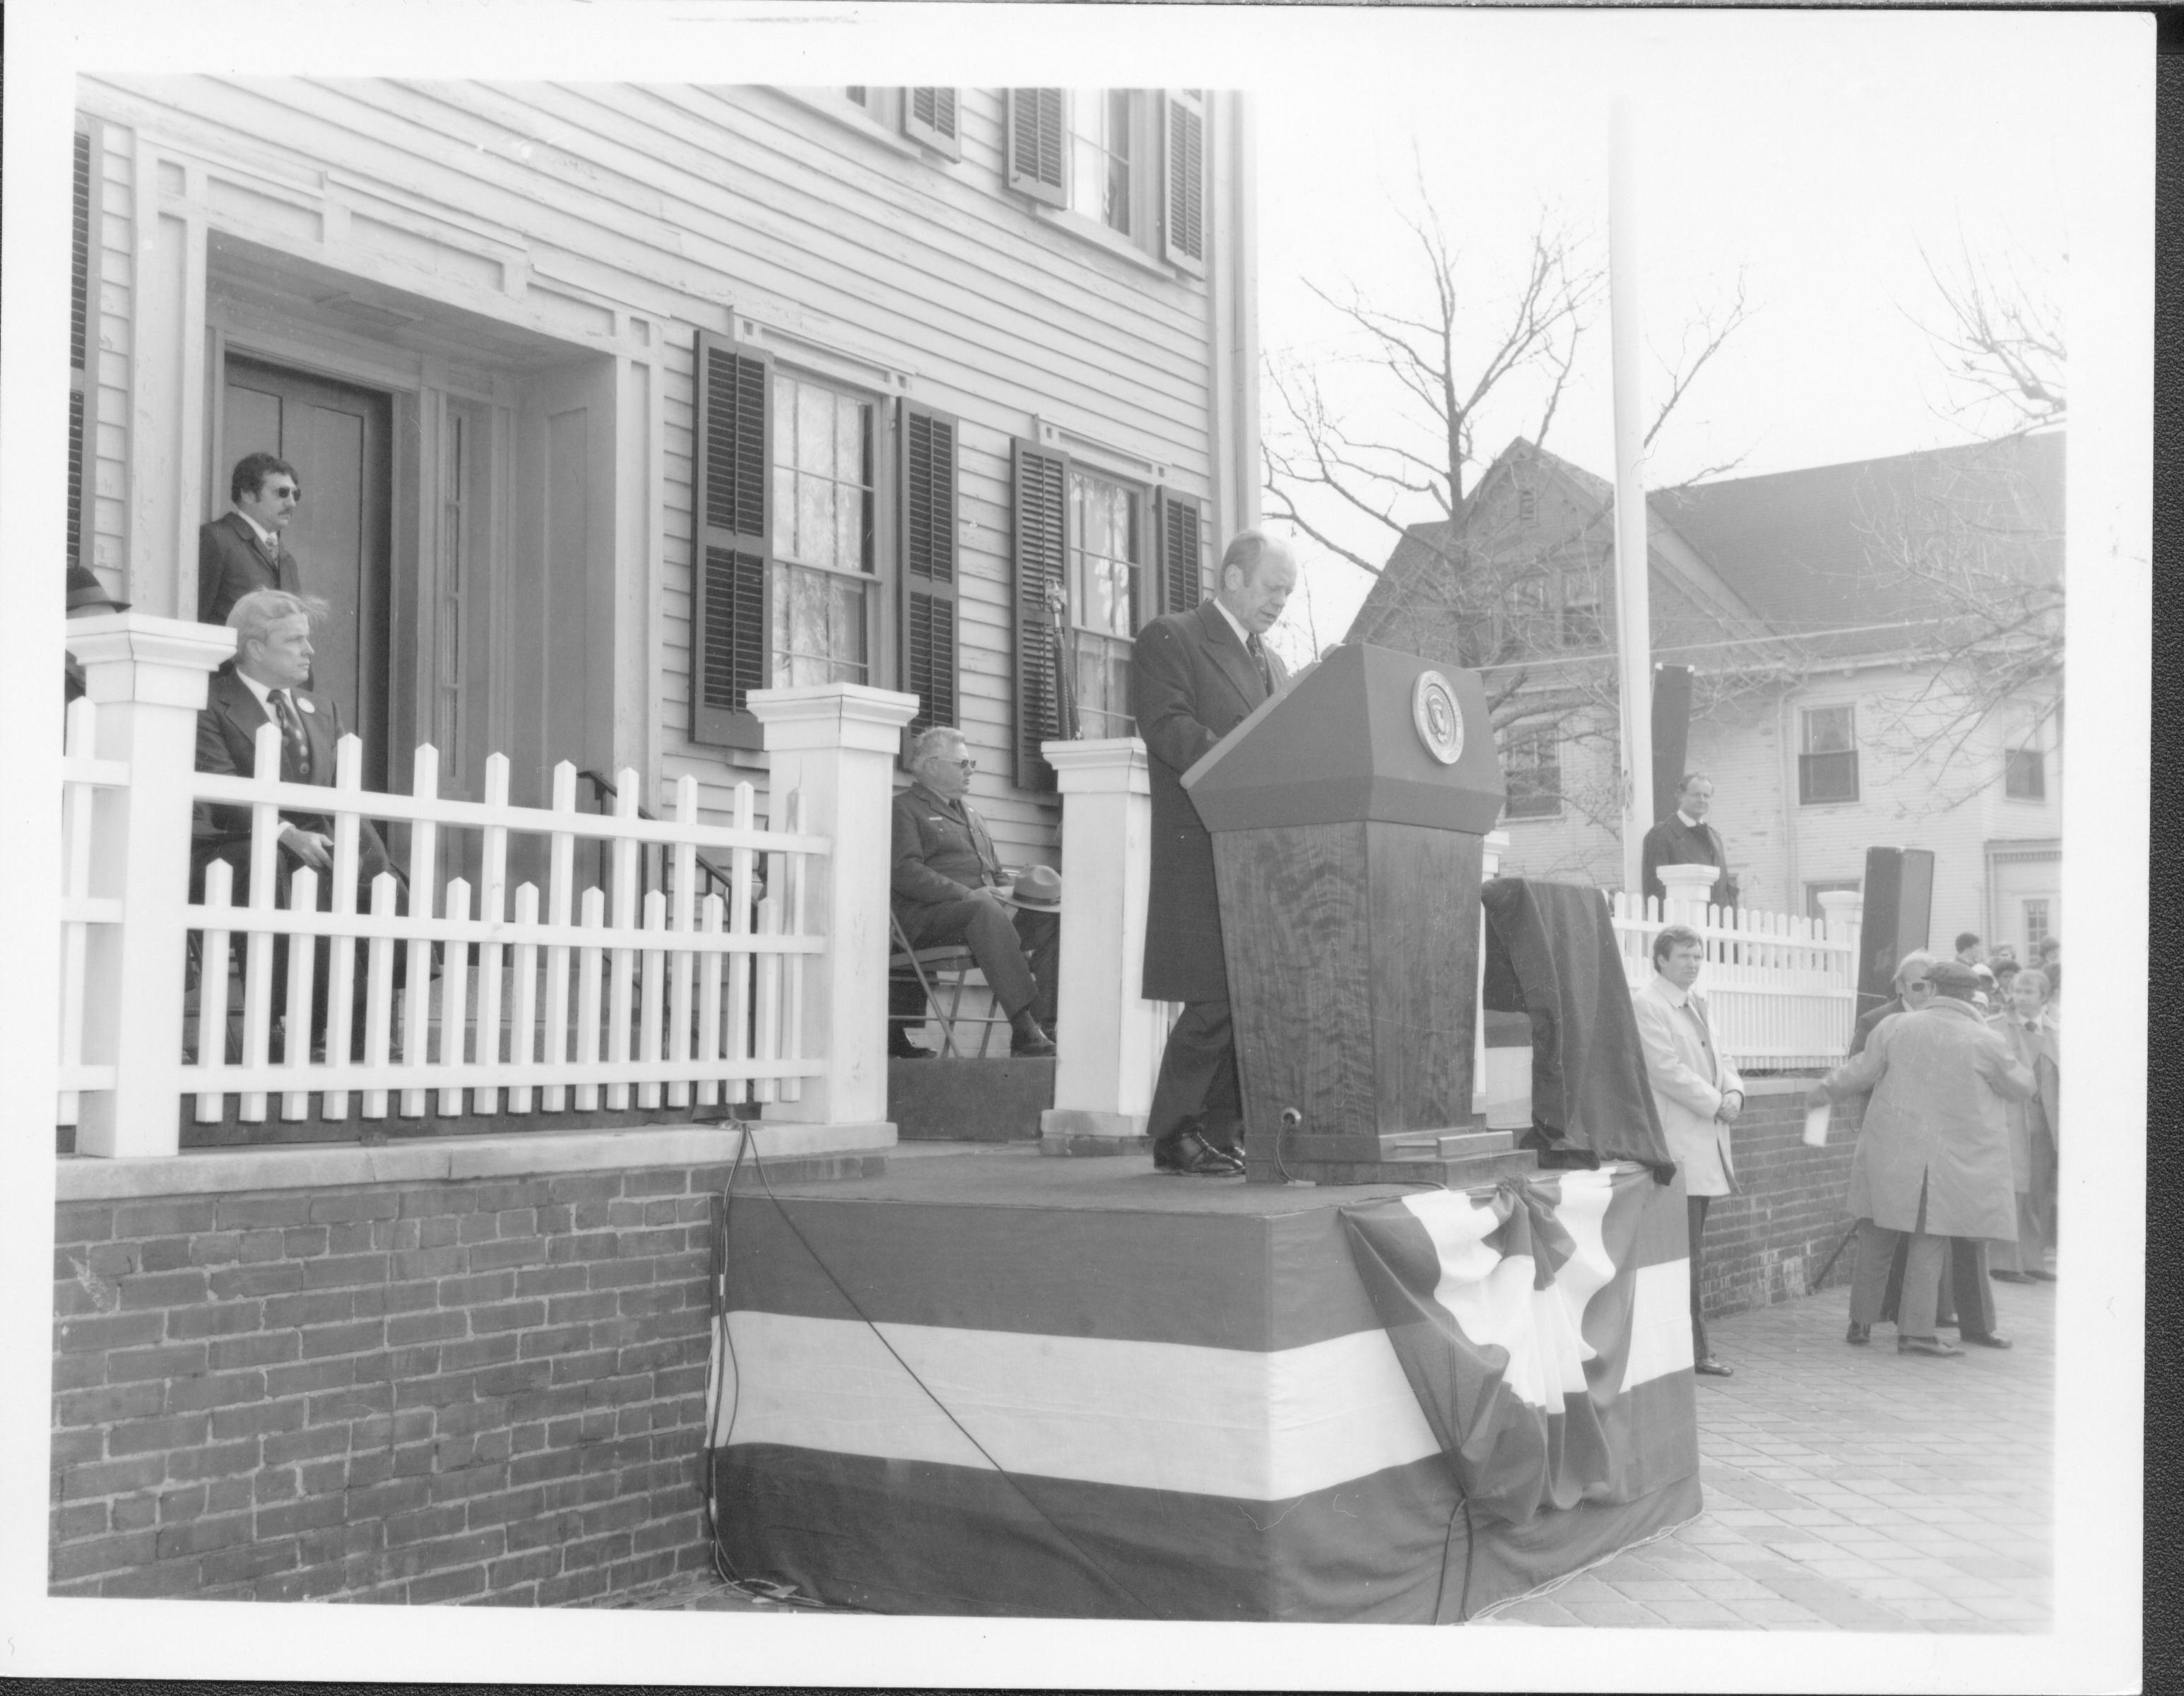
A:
1815	156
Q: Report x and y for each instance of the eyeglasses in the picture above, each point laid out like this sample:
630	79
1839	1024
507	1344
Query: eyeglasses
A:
965	765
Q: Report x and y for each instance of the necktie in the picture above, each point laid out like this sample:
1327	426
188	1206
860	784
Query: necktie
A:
297	746
1258	653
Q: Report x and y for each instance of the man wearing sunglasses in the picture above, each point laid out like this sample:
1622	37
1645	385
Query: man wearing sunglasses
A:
948	891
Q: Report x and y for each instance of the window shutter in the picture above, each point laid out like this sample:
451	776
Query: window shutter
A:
1183	220
1035	143
928	116
1182	552
1041	486
80	342
927	670
730	582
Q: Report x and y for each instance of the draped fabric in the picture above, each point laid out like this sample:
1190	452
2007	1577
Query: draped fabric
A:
1524	1318
1551	953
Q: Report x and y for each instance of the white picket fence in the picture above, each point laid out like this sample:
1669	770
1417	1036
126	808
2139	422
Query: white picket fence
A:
1781	990
579	998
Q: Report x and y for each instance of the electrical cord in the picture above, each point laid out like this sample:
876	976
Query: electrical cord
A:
758	1162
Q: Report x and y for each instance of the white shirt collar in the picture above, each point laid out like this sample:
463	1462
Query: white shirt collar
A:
261	690
271	542
1690	824
1675	995
1234	624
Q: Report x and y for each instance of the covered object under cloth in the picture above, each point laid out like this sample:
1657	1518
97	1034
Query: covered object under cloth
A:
1550	952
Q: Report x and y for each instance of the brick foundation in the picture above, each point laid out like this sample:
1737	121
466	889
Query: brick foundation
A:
487	1389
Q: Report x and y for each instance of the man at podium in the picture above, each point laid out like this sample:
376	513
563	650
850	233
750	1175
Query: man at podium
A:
1194	678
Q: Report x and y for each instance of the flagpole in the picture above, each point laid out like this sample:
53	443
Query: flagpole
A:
1632	605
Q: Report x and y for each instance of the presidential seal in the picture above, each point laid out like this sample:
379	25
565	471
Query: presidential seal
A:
1438	719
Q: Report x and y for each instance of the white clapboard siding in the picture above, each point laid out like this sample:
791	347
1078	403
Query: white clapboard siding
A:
684	205
1780	993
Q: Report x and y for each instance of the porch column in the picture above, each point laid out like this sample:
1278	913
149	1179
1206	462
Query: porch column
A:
1684	889
148	675
836	744
1109	1036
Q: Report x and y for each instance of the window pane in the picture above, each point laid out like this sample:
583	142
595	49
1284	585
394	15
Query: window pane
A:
1100	156
1828	730
1103	565
1101	669
819	629
825	505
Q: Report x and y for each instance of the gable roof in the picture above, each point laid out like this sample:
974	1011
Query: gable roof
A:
1816	552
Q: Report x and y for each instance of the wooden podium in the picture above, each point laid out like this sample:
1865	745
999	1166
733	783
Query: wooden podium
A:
1347	816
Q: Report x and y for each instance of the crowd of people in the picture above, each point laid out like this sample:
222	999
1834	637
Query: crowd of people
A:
1953	1178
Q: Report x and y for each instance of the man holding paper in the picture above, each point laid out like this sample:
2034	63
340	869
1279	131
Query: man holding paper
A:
1697	1092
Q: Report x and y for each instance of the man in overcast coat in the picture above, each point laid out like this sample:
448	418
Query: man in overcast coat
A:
1194	678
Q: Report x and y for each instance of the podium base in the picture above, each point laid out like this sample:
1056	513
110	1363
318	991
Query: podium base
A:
1462	1159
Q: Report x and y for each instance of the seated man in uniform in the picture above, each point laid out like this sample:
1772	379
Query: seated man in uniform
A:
948	891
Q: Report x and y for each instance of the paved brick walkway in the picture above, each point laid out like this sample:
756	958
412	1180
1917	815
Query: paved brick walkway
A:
1851	1489
1846	1489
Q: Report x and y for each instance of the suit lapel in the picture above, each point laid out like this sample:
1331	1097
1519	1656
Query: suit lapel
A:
240	707
1229	654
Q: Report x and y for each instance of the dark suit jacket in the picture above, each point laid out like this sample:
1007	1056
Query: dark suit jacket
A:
227	731
943	852
1191	682
230	564
1670	843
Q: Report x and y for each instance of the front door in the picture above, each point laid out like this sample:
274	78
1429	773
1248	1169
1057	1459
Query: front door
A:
339	439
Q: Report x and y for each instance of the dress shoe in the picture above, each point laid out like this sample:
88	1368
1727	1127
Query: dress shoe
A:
909	1052
1711	1368
2041	1277
2002	1277
1233	1155
1985	1339
1032	1045
1191	1155
1927	1345
1859	1336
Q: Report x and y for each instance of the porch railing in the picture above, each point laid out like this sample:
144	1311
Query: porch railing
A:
535	998
1781	989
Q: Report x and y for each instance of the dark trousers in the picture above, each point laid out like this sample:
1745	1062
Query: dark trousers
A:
1197	1088
1922	1273
322	953
1966	1298
1697	1206
1020	958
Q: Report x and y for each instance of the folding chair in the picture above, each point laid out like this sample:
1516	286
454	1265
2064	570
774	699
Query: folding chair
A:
949	966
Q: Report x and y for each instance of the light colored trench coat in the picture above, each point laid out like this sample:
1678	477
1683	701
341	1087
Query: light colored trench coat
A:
1939	1079
2035	1049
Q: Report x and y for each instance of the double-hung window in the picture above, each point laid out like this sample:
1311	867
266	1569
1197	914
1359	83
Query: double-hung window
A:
1106	552
1827	762
823	541
1532	766
1128	163
1095	554
825	511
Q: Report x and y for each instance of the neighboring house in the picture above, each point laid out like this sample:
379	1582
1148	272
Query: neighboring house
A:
612	403
1846	623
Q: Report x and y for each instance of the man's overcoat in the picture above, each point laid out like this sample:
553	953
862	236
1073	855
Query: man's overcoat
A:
1191	682
1941	1081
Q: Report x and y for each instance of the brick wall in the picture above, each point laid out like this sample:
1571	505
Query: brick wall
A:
489	1390
1767	1243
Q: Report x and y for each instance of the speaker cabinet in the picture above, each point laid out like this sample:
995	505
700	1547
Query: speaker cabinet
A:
1899	905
